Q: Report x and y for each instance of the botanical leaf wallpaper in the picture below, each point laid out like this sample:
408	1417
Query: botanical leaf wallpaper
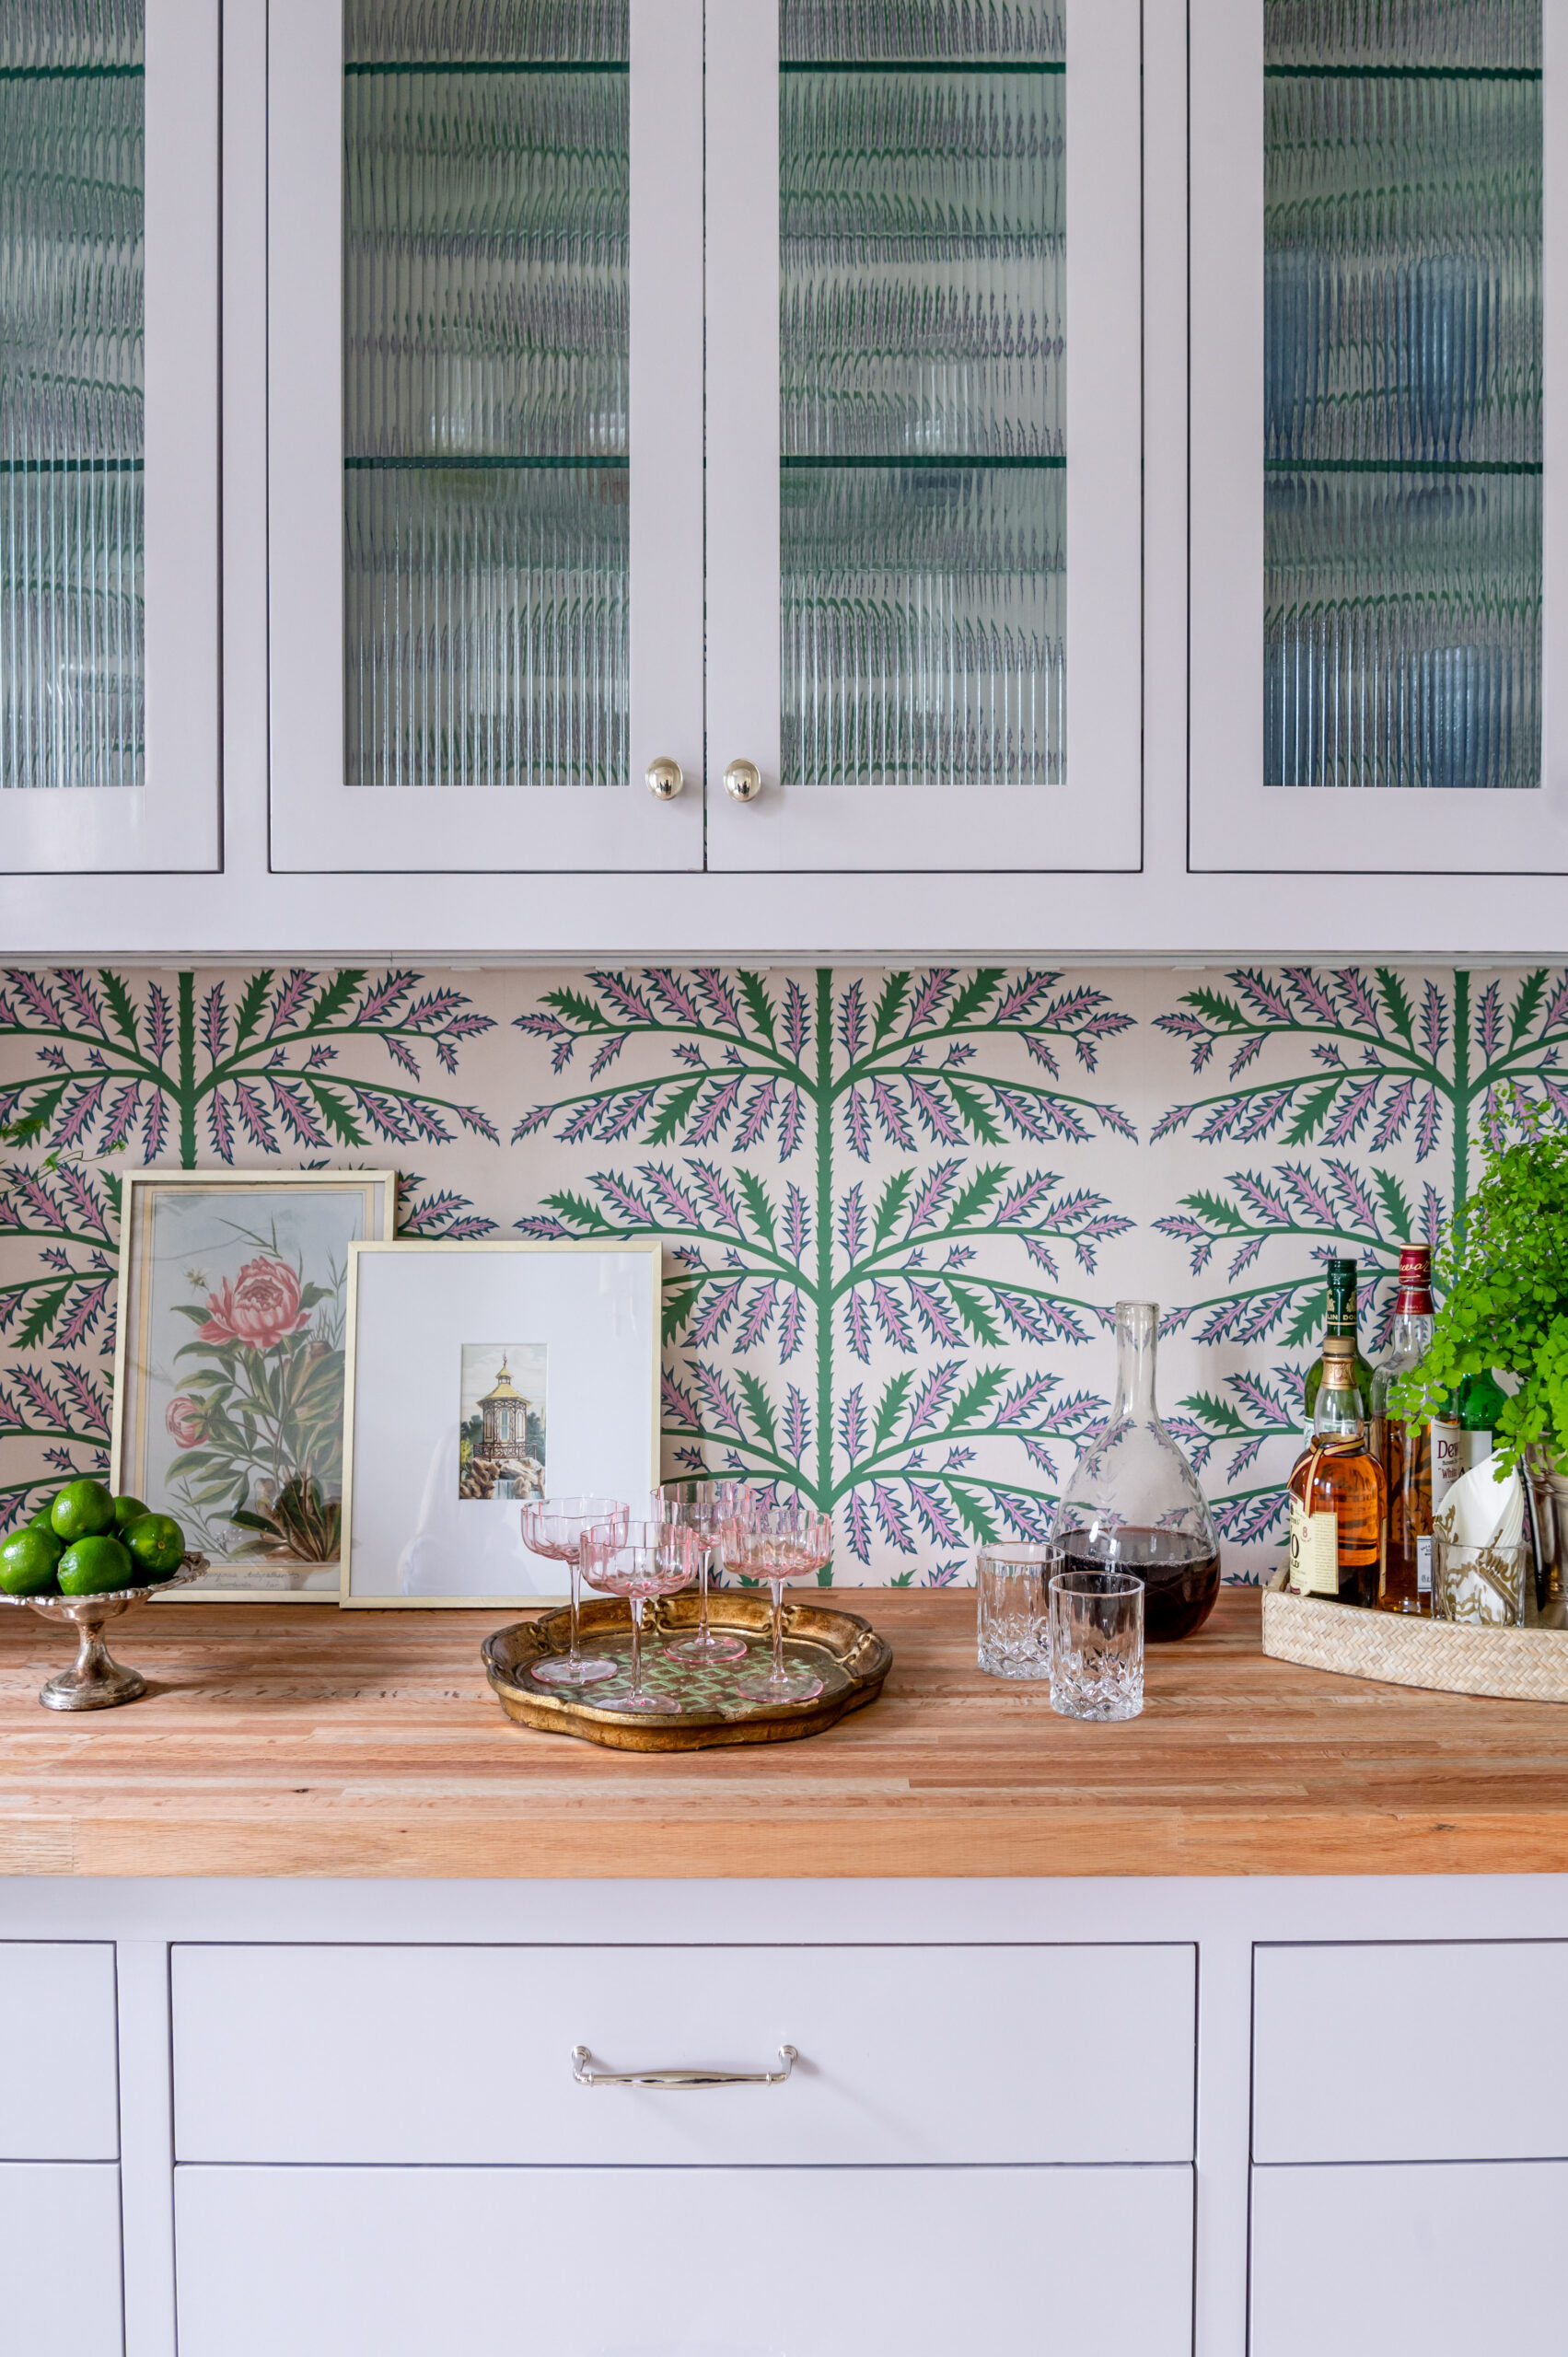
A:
897	1207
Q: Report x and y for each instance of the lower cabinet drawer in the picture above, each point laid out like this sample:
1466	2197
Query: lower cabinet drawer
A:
1356	2055
59	2096
693	2262
1457	2259
59	2258
460	2056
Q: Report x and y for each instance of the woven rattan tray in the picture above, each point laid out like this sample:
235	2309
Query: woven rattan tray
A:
845	1650
1515	1665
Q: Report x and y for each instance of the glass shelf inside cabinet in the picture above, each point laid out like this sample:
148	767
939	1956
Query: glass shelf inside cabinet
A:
485	348
71	383
1402	393
923	417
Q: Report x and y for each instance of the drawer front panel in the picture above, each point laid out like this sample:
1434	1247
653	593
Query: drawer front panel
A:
724	2262
1360	2054
1451	2261
59	2094
59	2258
452	2055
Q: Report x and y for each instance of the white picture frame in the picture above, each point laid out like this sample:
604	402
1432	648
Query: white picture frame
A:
581	1318
186	1240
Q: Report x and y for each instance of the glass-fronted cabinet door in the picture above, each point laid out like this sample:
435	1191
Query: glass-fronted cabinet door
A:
924	432
109	430
485	373
1379	462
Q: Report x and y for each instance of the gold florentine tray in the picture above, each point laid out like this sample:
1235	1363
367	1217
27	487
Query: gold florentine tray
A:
843	1650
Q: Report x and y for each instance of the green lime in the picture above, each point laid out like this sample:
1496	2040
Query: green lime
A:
95	1565
82	1510
28	1561
158	1543
126	1512
40	1520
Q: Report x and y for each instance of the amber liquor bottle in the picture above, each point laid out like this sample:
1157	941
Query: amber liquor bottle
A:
1344	1321
1405	1450
1338	1496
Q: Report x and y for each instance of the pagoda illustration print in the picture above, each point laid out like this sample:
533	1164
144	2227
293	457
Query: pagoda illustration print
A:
501	1437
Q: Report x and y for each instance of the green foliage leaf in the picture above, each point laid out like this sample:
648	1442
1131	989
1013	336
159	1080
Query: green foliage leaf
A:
45	1308
976	1399
1216	1210
1396	1210
332	1000
972	1111
977	993
759	1005
579	1213
980	1192
890	1407
253	1000
334	1110
585	1012
1397	1003
678	1304
118	999
969	1504
1308	1318
973	1311
1311	1114
1526	1001
675	1112
1223	1013
891	1002
890	1207
1216	1412
755	1197
758	1407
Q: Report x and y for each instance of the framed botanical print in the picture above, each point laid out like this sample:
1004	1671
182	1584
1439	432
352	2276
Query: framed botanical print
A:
229	1365
481	1376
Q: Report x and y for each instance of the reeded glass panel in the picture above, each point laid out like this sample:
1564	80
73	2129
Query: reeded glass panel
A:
922	414
71	446
486	223
1402	393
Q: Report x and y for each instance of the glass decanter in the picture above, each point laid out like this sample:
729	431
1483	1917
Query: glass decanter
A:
1133	1504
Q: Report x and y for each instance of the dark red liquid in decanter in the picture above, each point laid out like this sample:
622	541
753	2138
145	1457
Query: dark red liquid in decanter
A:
1180	1576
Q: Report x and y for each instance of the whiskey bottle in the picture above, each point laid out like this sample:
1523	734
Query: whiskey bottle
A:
1405	1454
1344	1321
1337	1492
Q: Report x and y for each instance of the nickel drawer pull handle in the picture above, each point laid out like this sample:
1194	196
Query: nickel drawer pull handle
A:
677	2080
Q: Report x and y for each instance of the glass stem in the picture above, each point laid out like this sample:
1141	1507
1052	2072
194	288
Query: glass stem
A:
778	1633
636	1644
575	1567
703	1608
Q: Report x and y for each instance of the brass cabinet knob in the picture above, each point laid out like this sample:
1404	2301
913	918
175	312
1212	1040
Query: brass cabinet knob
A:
743	781
666	779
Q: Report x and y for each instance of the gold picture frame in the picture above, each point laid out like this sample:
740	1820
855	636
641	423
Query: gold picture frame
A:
407	1353
205	1259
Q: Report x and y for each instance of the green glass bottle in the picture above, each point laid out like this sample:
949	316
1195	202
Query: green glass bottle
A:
1482	1398
1342	1325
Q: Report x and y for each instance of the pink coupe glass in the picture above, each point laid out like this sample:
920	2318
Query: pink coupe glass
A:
643	1559
703	1508
560	1528
787	1540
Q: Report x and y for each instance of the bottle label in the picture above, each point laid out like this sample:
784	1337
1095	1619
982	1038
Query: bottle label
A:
1423	1567
1448	1459
1476	1448
1313	1552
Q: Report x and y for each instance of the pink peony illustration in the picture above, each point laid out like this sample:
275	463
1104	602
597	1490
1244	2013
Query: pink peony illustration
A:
184	1419
259	1308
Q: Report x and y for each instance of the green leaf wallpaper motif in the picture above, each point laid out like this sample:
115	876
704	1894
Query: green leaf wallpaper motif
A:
897	1207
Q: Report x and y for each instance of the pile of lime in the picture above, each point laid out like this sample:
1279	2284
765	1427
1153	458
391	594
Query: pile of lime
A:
86	1542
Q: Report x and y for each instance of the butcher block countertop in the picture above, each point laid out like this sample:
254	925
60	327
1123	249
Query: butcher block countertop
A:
293	1739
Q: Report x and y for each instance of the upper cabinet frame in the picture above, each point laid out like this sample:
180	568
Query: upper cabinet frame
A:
170	819
1238	822
1093	818
319	821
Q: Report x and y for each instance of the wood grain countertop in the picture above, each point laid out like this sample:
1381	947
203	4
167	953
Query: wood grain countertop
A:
299	1740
